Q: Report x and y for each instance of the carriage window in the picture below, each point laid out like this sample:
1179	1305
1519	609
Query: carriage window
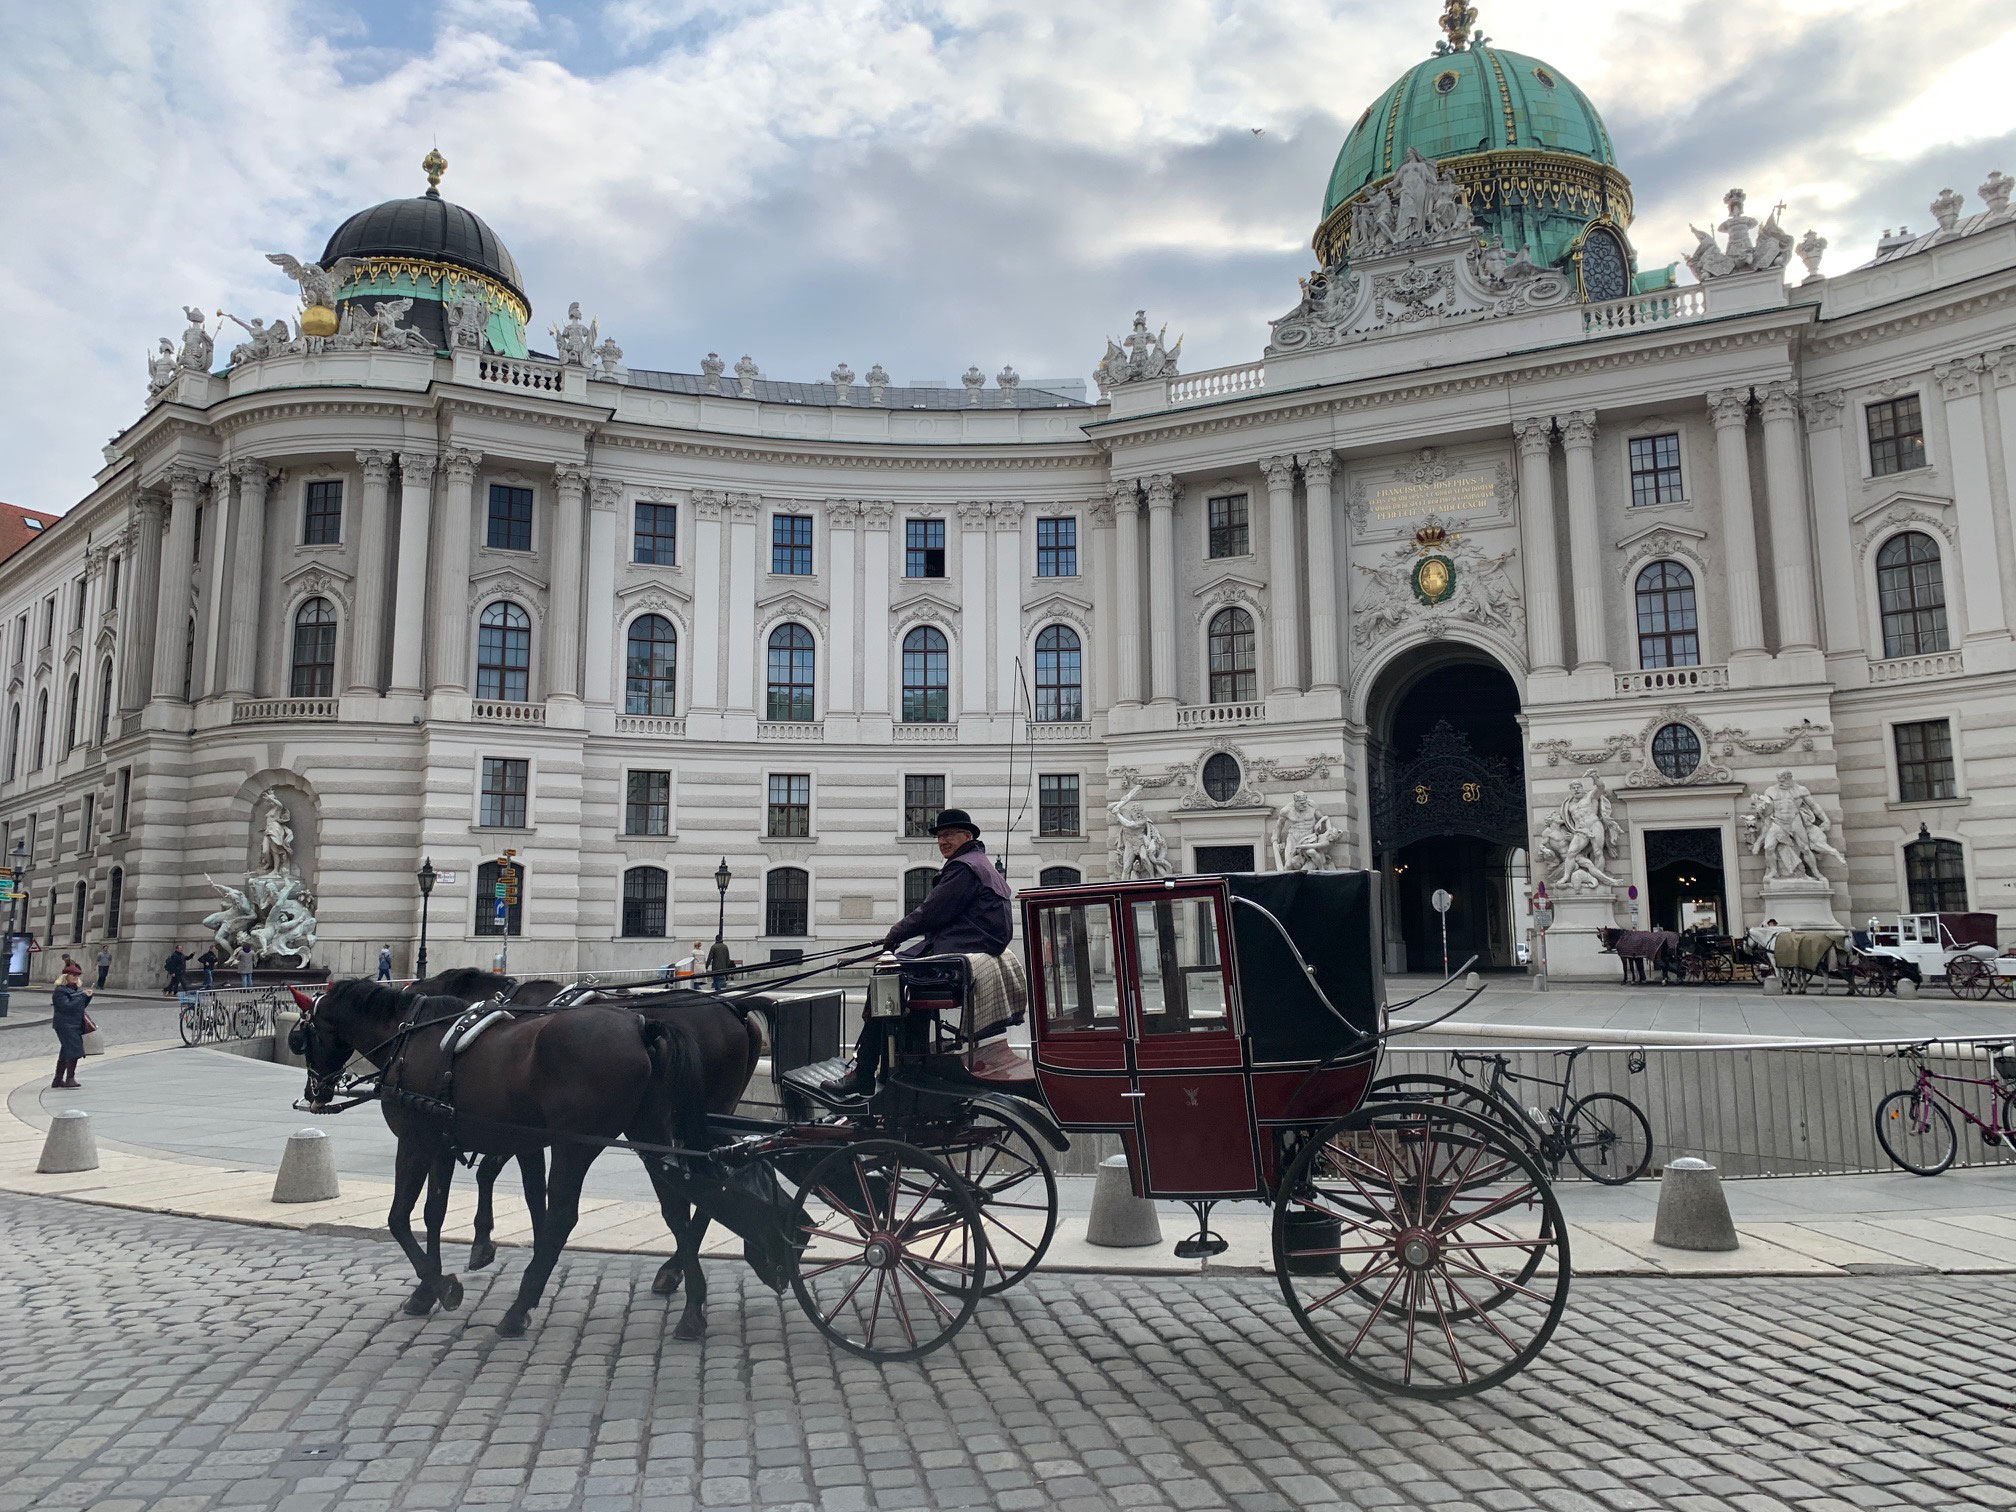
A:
1182	984
1075	959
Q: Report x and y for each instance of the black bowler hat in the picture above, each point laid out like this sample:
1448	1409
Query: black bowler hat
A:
957	819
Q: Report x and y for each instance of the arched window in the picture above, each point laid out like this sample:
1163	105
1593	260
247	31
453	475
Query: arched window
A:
105	700
14	743
82	899
1060	678
917	886
115	894
650	666
927	677
644	903
1058	876
1912	594
504	654
1234	675
314	660
1606	268
1669	630
486	901
787	894
41	730
1936	873
792	662
70	695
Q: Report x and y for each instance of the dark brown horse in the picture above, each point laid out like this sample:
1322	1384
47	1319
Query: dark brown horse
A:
571	1079
1634	947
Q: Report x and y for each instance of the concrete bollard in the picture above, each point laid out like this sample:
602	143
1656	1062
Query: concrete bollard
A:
1774	985
1906	989
1693	1212
69	1145
1120	1220
284	1020
307	1169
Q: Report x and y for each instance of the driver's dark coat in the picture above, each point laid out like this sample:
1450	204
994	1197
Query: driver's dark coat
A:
964	913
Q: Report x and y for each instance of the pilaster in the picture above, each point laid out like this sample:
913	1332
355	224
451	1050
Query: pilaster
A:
1730	411
1585	542
367	629
1536	532
451	579
409	608
1326	615
1284	620
1163	491
1126	498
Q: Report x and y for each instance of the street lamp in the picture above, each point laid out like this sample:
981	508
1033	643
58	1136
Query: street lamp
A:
426	879
722	877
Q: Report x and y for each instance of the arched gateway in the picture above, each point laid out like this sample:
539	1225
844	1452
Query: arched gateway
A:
1445	772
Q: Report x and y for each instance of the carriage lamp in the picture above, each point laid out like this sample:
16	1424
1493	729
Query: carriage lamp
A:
425	877
722	877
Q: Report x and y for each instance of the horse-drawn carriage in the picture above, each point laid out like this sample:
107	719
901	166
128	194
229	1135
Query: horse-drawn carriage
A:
1960	949
1226	1029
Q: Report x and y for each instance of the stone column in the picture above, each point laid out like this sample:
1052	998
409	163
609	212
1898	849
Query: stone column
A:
178	557
2000	366
877	515
241	639
1791	535
605	547
1163	491
1536	534
142	593
1324	643
744	512
409	607
451	575
563	638
845	648
1127	594
374	525
1285	619
1840	585
1007	634
1585	542
1730	409
1973	497
710	569
206	677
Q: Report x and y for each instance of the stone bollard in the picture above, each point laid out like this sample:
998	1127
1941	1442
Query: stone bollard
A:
1693	1212
1906	989
307	1170
69	1145
1774	985
1120	1220
284	1020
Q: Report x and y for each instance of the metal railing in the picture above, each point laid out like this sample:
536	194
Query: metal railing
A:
212	1015
1805	1108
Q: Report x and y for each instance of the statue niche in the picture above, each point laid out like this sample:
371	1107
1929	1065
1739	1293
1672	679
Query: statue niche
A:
274	911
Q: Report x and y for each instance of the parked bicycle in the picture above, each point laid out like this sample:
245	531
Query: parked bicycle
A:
1606	1135
1914	1127
210	1017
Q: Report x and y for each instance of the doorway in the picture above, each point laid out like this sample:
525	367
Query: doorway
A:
1223	858
1685	880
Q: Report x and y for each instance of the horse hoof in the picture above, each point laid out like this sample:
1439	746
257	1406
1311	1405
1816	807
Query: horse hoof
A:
667	1280
420	1304
449	1290
512	1325
691	1326
481	1255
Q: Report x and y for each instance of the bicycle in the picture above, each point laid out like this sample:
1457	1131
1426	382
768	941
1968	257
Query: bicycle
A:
1917	1133
208	1018
1606	1135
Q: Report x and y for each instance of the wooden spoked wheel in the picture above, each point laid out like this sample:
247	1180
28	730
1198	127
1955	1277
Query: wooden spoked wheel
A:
893	1254
1015	1190
1718	968
1452	1092
1969	978
1421	1249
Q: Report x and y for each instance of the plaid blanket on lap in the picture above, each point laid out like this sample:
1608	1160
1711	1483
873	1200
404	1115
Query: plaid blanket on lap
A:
1000	991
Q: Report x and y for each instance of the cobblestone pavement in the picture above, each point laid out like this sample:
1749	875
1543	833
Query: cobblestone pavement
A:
170	1364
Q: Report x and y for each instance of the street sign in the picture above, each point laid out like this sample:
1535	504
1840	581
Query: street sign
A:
6	886
503	912
1543	915
507	882
1441	900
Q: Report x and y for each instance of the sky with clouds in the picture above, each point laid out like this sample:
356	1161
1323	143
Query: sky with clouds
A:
927	184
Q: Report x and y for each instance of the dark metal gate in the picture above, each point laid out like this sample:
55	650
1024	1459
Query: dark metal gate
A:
1448	789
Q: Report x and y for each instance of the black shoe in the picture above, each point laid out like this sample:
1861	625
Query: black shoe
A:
851	1083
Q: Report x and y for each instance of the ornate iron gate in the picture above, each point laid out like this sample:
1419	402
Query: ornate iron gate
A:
1448	789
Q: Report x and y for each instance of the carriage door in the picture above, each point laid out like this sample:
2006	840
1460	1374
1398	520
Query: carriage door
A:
1081	1041
1194	1102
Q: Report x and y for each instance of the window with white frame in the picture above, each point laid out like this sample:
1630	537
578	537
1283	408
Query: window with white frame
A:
1924	760
1655	470
647	803
1057	804
789	811
506	783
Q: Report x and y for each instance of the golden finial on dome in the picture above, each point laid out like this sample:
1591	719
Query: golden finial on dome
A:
1458	20
434	165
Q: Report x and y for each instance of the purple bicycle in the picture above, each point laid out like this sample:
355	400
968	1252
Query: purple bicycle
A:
1917	1132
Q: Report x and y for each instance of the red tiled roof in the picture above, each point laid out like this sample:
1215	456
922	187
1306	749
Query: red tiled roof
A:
19	526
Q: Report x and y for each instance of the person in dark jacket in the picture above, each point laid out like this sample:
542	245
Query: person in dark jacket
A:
208	961
966	913
720	961
69	1000
177	967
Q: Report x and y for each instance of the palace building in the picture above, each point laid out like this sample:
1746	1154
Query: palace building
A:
1505	515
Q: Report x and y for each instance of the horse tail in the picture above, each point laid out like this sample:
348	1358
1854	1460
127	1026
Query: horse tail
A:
677	1081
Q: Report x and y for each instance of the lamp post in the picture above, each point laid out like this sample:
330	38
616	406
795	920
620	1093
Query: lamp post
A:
722	877
425	877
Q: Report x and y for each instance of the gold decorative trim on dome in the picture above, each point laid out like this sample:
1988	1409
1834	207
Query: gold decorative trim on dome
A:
1458	20
449	277
1504	99
1554	179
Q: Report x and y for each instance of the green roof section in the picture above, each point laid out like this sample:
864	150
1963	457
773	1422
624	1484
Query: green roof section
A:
1480	99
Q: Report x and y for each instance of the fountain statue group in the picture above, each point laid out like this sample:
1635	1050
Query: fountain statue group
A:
273	912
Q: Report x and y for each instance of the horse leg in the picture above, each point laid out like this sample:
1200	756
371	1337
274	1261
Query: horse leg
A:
482	1251
411	1168
689	1228
532	1176
440	1179
563	1210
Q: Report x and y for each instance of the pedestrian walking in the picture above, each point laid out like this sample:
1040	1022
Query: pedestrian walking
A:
177	967
71	1019
209	962
384	963
719	961
247	959
104	965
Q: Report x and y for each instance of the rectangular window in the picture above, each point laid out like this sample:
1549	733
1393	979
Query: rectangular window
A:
787	900
917	885
791	545
1182	981
1924	761
790	806
647	803
1226	517
924	548
125	797
1896	436
504	787
1057	548
644	903
77	621
1075	960
112	584
488	875
1935	872
322	524
655	538
1057	804
85	824
49	621
115	891
923	799
1655	470
510	519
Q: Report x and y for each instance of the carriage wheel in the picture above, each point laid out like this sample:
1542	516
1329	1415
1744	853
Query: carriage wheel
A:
1421	1249
1968	978
890	1237
1452	1092
2005	987
1718	968
1016	1192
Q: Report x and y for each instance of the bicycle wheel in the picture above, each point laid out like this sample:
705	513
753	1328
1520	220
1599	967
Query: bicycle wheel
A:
1968	978
1011	1182
2009	1118
1609	1138
245	1021
1451	1092
1915	1132
192	1024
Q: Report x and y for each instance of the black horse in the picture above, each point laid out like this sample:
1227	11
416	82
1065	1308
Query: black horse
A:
570	1079
1634	947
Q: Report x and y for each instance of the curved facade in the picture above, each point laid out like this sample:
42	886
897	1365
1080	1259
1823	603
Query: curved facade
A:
624	624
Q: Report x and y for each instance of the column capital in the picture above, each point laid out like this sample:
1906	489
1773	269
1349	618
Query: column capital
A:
878	514
183	479
745	506
842	514
605	493
1008	514
377	467
250	470
1578	429
150	504
1163	490
1779	401
416	468
709	505
570	478
1124	494
1823	410
973	514
1959	378
1729	408
1317	466
1279	471
2001	365
1536	435
460	464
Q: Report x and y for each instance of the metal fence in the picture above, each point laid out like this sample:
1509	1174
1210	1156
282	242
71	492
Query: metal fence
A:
212	1015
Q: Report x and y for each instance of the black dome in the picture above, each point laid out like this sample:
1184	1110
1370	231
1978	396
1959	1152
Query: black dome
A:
426	227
